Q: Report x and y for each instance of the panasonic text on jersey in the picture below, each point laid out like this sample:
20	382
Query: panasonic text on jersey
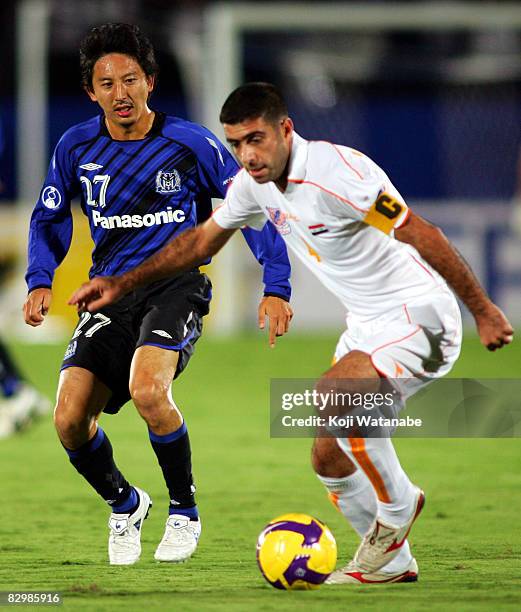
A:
133	221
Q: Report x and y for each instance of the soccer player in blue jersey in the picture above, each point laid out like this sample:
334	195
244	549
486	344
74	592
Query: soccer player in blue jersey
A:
143	177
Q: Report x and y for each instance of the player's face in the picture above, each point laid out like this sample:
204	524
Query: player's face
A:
121	88
262	148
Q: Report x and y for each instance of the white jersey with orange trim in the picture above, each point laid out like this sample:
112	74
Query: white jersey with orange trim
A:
338	215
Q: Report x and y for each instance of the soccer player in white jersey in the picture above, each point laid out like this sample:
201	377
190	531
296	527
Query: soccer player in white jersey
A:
340	214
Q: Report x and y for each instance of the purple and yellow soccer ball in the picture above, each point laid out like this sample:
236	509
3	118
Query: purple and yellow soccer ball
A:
296	552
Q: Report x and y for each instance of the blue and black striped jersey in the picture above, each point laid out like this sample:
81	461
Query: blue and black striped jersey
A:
137	195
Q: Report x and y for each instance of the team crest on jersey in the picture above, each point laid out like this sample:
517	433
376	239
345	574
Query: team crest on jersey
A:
168	181
51	197
279	220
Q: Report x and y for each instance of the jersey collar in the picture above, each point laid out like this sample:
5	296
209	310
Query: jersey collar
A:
297	161
155	130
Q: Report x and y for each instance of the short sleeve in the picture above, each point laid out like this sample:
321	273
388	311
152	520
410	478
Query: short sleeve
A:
359	189
239	208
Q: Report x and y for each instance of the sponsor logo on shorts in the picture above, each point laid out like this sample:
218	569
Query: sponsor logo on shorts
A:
168	181
398	370
190	317
51	197
136	221
162	332
71	350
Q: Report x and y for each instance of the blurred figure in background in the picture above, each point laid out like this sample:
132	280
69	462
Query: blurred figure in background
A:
19	401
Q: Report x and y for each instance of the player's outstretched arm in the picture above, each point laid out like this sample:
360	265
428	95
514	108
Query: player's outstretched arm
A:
493	327
36	306
181	254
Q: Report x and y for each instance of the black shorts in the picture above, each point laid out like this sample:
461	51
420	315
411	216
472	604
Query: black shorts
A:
168	314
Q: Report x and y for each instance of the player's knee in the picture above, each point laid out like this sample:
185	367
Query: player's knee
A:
325	386
329	460
329	394
149	397
351	377
337	380
72	430
355	366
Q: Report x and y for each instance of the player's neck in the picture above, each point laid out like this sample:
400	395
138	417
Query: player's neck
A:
135	131
282	182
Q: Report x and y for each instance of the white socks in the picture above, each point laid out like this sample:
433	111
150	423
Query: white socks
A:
378	460
355	498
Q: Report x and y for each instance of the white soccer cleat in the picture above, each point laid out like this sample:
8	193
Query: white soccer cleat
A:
180	539
383	541
125	532
352	574
17	411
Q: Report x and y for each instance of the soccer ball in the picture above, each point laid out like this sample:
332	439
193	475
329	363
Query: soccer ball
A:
296	551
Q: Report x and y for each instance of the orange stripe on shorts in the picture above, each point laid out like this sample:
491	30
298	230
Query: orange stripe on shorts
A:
363	459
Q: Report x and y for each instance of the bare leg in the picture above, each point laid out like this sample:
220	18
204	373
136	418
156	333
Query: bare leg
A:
81	399
151	376
357	493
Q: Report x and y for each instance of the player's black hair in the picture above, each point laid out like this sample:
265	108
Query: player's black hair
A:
115	38
254	100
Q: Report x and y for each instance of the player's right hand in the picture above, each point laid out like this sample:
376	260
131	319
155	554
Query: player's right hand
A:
98	292
37	305
279	313
494	328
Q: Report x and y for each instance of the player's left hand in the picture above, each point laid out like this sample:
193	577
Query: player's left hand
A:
98	292
279	313
494	328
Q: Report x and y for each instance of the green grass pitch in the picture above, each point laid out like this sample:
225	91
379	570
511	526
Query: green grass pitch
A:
53	532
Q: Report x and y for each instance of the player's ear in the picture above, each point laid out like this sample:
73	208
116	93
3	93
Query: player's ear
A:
91	94
287	127
151	82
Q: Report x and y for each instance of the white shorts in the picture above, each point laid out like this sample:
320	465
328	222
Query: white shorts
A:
410	346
